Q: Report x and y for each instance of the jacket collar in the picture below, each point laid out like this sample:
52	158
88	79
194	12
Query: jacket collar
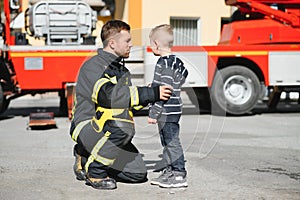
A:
108	56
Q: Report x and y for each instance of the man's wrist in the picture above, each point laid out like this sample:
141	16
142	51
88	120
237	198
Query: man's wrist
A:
156	93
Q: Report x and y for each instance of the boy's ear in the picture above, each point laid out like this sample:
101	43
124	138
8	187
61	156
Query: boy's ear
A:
156	42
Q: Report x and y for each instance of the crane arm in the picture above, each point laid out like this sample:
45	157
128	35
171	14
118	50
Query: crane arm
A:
263	6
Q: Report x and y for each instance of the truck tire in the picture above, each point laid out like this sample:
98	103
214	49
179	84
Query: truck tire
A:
4	102
235	90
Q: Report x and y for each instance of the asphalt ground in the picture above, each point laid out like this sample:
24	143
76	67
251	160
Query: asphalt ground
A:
254	156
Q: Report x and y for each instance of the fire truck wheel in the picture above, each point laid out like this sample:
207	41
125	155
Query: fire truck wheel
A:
4	102
235	90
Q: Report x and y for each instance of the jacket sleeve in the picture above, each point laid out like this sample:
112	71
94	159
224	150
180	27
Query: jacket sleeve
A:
108	93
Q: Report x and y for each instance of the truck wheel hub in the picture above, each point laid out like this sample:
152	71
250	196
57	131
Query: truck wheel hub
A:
237	90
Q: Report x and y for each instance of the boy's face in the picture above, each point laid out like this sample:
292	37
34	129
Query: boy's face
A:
121	44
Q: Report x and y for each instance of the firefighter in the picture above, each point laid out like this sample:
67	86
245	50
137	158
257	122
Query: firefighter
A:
102	123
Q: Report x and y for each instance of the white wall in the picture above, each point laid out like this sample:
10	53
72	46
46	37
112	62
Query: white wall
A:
156	12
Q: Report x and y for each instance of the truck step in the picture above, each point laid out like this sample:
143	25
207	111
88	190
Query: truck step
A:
41	120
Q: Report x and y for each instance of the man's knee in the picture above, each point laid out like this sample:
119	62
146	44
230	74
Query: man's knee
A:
129	177
130	168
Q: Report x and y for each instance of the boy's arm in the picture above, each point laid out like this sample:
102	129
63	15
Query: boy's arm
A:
164	75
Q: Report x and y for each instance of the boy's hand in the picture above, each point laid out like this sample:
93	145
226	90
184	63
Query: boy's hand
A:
151	121
165	92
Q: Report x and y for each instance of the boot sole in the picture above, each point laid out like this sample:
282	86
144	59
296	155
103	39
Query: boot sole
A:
90	183
81	176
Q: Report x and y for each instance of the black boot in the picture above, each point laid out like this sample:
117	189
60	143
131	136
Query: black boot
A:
102	184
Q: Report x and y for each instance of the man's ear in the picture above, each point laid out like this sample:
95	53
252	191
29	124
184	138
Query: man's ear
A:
111	43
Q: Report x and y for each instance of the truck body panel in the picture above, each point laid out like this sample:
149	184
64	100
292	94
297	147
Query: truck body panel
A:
48	68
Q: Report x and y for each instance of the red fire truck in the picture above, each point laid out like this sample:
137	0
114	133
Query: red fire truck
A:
258	49
65	27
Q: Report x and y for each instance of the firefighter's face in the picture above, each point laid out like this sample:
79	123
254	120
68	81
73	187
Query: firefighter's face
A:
121	44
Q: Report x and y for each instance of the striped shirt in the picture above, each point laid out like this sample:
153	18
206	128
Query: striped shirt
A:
169	70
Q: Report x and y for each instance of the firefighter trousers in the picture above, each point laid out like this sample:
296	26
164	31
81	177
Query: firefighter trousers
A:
110	152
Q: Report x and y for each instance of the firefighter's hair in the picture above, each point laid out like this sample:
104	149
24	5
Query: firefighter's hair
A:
167	38
111	28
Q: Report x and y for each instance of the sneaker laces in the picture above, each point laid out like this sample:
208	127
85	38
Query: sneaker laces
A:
166	171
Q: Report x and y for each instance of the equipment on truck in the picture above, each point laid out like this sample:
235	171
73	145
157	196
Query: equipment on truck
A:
63	29
60	22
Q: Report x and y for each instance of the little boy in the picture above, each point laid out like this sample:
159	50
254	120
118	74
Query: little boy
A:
169	70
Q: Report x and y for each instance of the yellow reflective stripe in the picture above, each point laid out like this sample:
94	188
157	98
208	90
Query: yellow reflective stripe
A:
105	161
100	83
74	107
107	114
138	107
78	128
97	87
89	161
95	156
123	120
134	96
113	80
99	123
131	114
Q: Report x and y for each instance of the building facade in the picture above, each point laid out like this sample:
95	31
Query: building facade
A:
195	22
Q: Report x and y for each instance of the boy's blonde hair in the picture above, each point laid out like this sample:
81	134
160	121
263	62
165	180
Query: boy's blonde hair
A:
163	33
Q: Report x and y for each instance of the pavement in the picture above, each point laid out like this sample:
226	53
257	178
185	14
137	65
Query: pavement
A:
250	157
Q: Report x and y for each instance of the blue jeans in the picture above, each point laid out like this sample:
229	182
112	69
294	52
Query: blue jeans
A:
172	149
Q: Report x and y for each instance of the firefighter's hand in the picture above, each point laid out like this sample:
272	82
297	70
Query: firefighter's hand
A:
151	121
165	92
